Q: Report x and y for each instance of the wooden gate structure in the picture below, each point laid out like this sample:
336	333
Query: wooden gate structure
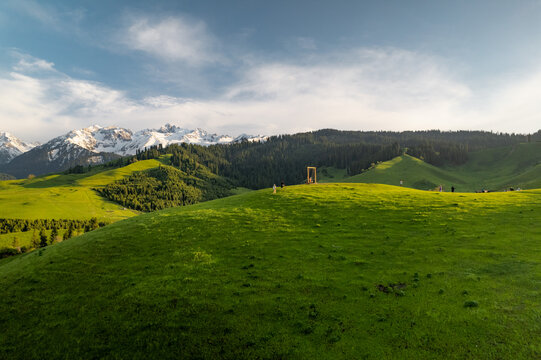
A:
309	179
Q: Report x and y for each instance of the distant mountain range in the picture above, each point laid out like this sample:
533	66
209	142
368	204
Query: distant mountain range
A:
96	145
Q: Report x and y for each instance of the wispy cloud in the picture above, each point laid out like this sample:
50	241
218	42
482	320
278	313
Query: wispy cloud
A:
29	63
172	39
42	13
48	15
366	89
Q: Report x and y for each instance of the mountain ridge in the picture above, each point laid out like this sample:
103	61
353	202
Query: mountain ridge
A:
96	145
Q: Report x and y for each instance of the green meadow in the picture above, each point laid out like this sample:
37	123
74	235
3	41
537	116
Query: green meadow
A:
62	196
328	271
496	169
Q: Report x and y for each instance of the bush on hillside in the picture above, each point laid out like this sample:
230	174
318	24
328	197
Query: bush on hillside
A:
7	252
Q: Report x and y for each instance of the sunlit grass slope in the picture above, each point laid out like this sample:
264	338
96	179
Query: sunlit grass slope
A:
66	196
336	271
413	172
517	166
500	168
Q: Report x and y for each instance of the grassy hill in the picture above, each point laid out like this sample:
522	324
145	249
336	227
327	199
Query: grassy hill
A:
517	166
414	173
500	168
66	196
336	271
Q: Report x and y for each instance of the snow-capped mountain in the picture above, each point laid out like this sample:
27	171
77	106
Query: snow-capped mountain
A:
125	142
96	145
11	147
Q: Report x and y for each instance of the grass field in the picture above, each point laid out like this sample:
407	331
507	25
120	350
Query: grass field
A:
516	166
335	271
413	172
66	196
497	169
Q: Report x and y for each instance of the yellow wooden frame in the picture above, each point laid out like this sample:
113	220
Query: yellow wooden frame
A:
308	175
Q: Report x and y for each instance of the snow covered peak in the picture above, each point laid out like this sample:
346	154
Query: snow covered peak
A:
168	128
124	142
251	138
11	147
94	138
8	140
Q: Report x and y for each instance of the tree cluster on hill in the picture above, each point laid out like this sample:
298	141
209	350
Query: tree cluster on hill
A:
164	187
21	225
40	238
78	169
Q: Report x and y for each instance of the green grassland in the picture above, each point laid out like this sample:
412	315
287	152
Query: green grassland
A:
66	196
328	271
412	171
497	169
500	168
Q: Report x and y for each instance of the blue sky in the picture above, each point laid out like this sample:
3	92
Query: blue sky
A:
269	67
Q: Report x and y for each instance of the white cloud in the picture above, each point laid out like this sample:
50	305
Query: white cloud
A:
374	89
514	105
173	39
30	64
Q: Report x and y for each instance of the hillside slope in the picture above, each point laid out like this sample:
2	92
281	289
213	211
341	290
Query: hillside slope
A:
413	172
66	196
320	271
517	166
500	168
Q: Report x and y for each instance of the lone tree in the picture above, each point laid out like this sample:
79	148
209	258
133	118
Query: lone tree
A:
16	244
35	239
54	234
94	224
43	238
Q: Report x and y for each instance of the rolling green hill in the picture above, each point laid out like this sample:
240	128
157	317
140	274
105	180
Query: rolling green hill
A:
335	271
501	168
413	172
66	196
497	169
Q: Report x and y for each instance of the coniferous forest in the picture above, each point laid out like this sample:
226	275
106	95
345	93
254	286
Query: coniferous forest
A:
164	187
257	165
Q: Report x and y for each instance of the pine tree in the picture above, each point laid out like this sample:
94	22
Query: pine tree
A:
16	244
94	224
43	238
69	233
35	239
54	235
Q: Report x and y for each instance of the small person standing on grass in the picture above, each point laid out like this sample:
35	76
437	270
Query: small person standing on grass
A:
452	189
441	188
274	188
